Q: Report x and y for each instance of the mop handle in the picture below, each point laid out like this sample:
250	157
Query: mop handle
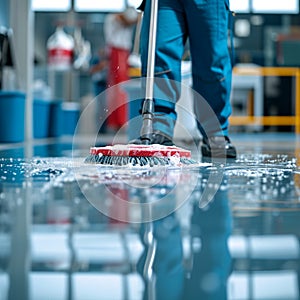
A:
151	50
148	106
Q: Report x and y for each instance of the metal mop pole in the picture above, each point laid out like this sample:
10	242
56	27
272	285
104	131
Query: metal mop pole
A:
148	106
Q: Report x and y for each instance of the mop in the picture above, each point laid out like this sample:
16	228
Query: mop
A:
145	154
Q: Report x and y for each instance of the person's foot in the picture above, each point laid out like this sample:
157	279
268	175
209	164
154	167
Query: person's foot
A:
218	146
156	138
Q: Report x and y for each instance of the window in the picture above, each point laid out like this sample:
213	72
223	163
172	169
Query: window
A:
241	6
53	5
275	6
99	5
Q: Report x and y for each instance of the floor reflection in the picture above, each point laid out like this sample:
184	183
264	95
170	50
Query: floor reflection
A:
204	272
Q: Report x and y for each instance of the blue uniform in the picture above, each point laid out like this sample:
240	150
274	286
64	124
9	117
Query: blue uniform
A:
205	24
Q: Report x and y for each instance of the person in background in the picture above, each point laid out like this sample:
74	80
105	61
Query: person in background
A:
118	33
205	25
98	71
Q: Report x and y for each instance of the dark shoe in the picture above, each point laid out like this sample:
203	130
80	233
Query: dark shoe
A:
156	138
218	146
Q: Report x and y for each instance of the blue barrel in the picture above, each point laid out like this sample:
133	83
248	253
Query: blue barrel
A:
71	114
41	112
56	119
12	116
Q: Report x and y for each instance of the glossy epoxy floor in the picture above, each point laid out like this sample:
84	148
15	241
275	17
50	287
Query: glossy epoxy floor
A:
221	229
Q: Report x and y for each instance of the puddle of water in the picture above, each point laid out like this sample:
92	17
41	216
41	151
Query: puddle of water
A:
252	178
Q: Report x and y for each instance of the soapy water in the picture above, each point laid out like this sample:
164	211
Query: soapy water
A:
265	167
251	179
264	180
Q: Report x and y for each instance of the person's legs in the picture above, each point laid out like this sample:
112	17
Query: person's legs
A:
211	72
171	36
211	64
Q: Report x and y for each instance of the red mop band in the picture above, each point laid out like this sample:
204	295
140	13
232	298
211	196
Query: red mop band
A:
140	150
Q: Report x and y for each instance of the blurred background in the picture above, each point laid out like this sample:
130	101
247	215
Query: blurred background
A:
261	34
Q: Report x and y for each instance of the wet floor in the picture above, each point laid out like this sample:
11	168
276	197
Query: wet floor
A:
215	230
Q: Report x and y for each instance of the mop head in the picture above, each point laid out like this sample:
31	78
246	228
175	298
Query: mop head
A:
139	155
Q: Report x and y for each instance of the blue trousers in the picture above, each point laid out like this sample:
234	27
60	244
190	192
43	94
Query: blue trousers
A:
204	24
